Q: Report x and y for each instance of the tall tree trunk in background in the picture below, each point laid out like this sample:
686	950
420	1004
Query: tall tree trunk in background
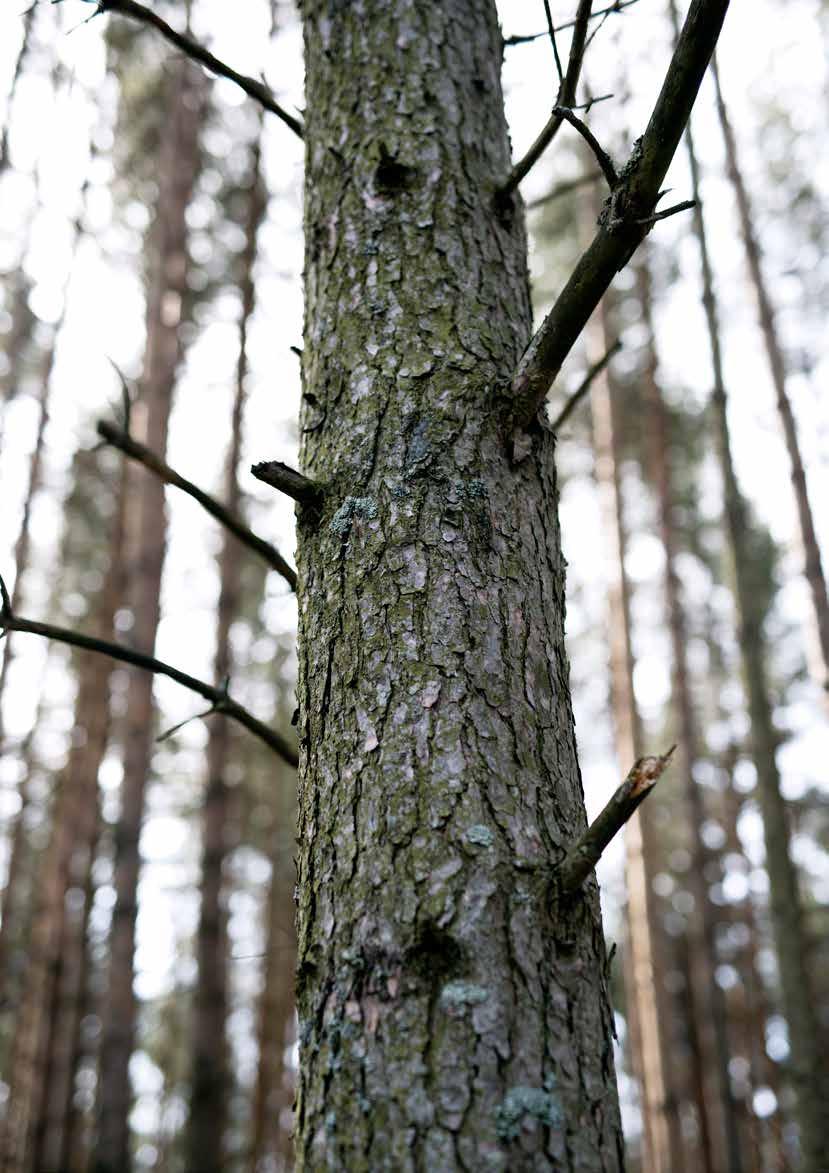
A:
451	1016
210	1086
786	910
146	534
813	566
708	997
52	1153
645	965
270	1138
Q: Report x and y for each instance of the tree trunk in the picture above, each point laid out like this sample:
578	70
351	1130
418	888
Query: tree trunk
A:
270	1136
708	995
177	170
452	1014
211	1078
813	566
786	911
19	64
92	721
651	1050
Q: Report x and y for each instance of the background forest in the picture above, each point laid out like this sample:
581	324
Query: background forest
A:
151	251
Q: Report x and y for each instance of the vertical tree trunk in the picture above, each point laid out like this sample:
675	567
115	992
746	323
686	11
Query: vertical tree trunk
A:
270	1138
452	1015
660	1108
708	994
177	170
774	351
52	1153
19	64
210	1084
786	911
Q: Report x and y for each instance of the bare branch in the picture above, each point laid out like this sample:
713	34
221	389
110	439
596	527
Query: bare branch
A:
619	6
551	28
583	856
288	480
139	452
602	158
685	206
626	217
253	88
584	386
219	700
566	97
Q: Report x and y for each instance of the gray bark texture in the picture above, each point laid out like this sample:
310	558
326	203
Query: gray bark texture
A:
451	1015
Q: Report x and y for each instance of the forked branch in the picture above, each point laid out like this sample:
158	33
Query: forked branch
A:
580	860
566	97
191	48
139	452
627	217
219	700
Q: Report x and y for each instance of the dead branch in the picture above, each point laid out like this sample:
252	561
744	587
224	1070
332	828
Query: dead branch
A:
566	97
583	856
218	698
626	218
288	480
619	6
182	41
602	157
143	455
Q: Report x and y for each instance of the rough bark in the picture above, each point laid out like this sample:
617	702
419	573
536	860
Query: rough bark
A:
211	1077
708	995
450	1016
177	169
813	566
651	1051
805	1067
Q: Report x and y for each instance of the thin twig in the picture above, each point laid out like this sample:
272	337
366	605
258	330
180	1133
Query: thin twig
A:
583	856
602	158
551	28
626	218
253	88
220	701
288	480
566	97
685	206
139	452
619	6
584	386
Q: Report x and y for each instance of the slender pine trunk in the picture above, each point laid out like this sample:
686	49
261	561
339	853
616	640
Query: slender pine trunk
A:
805	1067
813	567
211	1077
146	536
645	943
52	1146
451	1016
708	995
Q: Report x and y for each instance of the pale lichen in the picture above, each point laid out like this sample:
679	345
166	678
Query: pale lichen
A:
460	995
352	507
522	1102
479	835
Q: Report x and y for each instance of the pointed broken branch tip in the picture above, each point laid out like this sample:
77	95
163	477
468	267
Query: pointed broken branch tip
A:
583	856
287	480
